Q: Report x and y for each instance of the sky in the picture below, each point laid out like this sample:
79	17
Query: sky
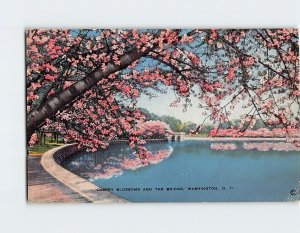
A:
160	105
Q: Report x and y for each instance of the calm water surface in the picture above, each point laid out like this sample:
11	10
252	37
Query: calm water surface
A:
191	171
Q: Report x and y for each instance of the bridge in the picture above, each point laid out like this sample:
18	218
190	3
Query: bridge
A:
177	136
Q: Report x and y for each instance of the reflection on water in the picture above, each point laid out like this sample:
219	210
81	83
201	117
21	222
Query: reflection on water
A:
223	146
249	171
266	146
105	164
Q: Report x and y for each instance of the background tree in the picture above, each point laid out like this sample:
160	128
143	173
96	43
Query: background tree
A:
189	127
154	129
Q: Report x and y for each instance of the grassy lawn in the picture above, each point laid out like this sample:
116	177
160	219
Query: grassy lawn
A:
39	149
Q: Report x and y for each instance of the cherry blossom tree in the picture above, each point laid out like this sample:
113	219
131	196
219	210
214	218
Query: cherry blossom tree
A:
154	129
85	84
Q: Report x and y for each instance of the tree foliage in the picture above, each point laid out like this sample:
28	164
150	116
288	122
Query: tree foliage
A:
154	129
86	83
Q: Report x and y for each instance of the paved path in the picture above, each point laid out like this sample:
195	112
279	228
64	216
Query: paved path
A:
42	187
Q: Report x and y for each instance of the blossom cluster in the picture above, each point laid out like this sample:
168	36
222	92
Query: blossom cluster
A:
258	67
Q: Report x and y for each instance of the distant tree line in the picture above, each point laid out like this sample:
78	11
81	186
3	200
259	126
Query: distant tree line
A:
177	125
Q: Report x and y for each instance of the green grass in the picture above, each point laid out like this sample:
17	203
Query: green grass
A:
40	149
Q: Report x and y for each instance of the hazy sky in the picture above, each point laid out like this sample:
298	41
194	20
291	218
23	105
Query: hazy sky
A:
160	105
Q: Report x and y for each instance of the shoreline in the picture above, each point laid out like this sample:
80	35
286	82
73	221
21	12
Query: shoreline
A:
232	139
51	161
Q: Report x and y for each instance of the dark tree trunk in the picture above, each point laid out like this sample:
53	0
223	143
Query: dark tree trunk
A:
58	102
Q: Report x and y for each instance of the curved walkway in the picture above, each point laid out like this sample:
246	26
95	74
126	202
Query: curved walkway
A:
44	188
50	182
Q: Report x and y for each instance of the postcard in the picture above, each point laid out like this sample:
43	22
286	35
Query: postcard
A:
162	115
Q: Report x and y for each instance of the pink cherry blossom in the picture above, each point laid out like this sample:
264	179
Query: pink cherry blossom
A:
110	69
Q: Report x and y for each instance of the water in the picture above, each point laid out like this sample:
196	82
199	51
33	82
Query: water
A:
191	171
